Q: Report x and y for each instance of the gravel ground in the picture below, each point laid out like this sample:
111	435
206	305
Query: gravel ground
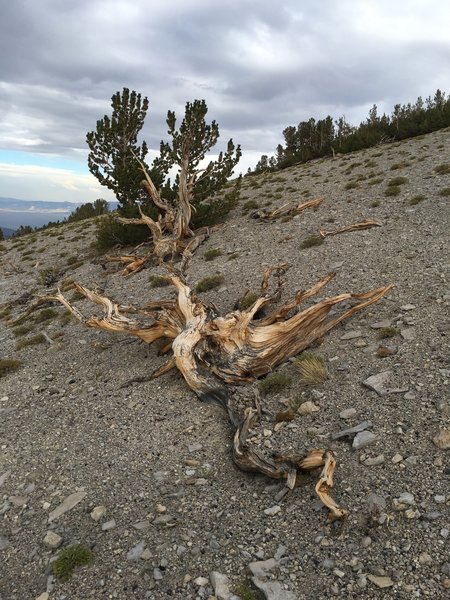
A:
155	463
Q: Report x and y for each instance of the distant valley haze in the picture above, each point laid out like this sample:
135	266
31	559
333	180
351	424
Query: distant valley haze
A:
15	212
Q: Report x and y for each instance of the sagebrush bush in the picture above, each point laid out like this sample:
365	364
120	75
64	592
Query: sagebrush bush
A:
69	558
274	383
8	365
209	283
312	368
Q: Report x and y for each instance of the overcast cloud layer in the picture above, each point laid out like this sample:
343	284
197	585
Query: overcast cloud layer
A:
259	66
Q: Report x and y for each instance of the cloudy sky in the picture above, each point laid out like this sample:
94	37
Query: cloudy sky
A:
260	66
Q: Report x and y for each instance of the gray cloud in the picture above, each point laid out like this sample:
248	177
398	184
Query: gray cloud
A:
260	66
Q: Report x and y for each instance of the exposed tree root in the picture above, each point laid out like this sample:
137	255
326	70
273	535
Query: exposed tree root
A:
211	351
366	224
288	209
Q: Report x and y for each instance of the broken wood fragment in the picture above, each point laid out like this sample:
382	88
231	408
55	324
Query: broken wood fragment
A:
286	210
366	224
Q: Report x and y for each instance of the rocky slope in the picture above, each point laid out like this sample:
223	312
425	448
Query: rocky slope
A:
143	470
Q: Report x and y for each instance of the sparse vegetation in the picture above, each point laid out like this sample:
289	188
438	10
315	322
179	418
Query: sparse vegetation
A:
22	330
442	169
69	558
416	199
388	332
314	240
352	185
392	190
444	192
209	283
157	281
312	368
8	365
45	315
274	383
248	300
212	254
397	181
31	341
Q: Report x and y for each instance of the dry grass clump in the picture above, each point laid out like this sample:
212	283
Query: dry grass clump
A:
69	558
275	383
45	315
392	190
31	341
312	368
442	169
247	300
209	283
8	365
416	199
314	240
444	192
158	281
212	254
397	181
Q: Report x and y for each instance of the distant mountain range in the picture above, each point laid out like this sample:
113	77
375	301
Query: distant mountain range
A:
7	232
15	212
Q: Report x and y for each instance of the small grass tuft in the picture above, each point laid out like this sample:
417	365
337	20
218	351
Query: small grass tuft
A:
314	240
397	181
45	315
246	591
22	330
248	300
158	281
392	190
274	383
442	169
69	558
234	255
31	341
444	192
416	199
388	332
312	368
209	283
8	365
212	254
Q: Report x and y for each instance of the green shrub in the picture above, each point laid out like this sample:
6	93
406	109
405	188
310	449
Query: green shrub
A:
351	186
314	240
249	205
212	254
22	330
213	211
69	558
274	383
400	165
49	275
209	283
444	192
8	365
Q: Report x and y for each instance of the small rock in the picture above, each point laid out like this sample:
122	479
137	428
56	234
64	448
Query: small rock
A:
366	541
163	520
439	499
141	525
109	525
160	508
409	396
378	382
68	503
376	503
146	555
4	477
407	498
4	543
396	458
195	447
407	307
43	596
425	558
201	581
347	413
221	584
381	582
52	540
351	335
381	324
408	334
363	439
352	430
442	439
136	552
157	574
260	568
272	590
98	512
272	511
307	408
375	461
339	573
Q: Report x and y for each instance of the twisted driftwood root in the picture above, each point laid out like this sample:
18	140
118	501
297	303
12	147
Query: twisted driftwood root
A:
211	351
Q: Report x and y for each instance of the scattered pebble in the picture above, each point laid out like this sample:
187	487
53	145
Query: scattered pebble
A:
381	582
442	439
378	382
273	510
363	439
68	503
220	583
109	525
98	512
260	568
307	408
136	552
348	413
52	540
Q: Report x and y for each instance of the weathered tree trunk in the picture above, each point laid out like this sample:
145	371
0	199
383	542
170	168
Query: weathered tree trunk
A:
286	210
212	351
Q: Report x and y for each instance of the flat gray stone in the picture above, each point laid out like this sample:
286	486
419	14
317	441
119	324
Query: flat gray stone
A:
109	525
347	413
136	552
381	324
221	585
351	431
351	335
408	334
4	477
4	543
375	461
407	307
52	540
69	503
363	439
272	590
260	568
378	382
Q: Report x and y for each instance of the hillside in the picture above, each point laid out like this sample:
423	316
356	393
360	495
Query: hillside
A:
81	417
